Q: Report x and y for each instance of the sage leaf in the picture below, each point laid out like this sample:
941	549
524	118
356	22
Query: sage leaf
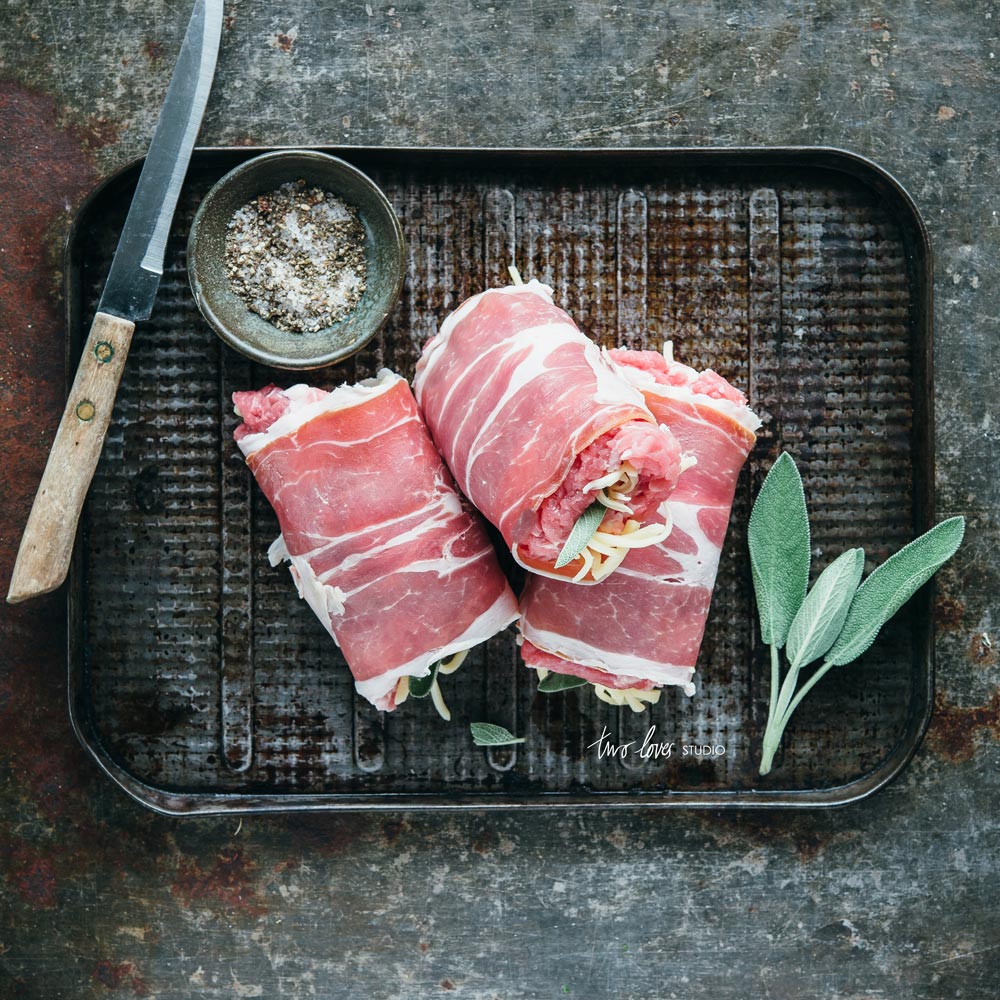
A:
560	682
586	524
485	734
891	585
420	687
778	536
818	623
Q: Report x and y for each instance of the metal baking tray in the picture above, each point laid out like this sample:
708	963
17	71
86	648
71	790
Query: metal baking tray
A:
200	683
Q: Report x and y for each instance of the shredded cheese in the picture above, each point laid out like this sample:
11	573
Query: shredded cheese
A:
604	552
439	704
599	484
638	699
615	489
448	666
633	536
613	558
515	275
452	664
588	558
613	503
402	691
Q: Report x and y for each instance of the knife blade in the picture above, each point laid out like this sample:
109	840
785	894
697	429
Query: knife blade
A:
128	296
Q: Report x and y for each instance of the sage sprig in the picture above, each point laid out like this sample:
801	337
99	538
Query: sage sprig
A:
891	585
583	531
837	620
420	687
560	682
779	549
486	734
820	619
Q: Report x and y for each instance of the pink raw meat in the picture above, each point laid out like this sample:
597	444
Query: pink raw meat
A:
527	410
398	569
648	619
539	660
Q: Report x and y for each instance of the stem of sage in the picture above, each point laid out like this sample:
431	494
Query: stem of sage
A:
775	681
782	705
804	690
787	692
778	719
766	757
772	739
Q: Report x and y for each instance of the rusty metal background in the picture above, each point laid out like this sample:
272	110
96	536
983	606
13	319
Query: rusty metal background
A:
200	682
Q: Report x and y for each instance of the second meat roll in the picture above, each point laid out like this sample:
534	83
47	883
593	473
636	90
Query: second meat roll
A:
642	630
537	426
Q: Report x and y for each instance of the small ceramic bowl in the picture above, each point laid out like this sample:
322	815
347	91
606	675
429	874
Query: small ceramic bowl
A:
252	334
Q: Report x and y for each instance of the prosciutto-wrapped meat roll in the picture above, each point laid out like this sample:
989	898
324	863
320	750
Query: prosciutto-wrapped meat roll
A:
536	425
396	567
642	628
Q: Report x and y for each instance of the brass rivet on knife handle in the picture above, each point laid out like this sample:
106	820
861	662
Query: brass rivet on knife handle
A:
47	543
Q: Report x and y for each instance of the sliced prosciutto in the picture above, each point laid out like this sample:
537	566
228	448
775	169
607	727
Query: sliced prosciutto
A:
536	425
380	544
642	629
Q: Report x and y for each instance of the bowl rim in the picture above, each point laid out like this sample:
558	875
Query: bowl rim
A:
224	331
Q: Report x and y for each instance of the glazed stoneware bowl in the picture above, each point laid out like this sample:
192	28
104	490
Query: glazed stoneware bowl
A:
253	335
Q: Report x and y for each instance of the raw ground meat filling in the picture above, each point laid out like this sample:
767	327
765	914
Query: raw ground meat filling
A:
380	544
642	628
536	424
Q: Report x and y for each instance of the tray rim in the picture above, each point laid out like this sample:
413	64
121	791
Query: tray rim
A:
922	676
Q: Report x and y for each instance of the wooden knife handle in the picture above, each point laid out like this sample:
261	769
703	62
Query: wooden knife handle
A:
47	542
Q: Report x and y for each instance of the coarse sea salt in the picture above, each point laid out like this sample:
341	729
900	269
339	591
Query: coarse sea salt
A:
295	256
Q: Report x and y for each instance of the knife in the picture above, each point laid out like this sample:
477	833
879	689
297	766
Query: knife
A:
47	543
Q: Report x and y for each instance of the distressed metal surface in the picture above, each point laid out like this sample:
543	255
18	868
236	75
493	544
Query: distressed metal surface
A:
197	672
893	897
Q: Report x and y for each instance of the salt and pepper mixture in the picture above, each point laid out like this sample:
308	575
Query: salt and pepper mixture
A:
296	257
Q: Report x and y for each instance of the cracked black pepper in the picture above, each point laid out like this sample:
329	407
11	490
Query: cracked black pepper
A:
296	257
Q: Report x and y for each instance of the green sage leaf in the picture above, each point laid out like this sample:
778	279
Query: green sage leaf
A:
891	585
818	623
420	687
485	734
586	524
559	682
778	537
